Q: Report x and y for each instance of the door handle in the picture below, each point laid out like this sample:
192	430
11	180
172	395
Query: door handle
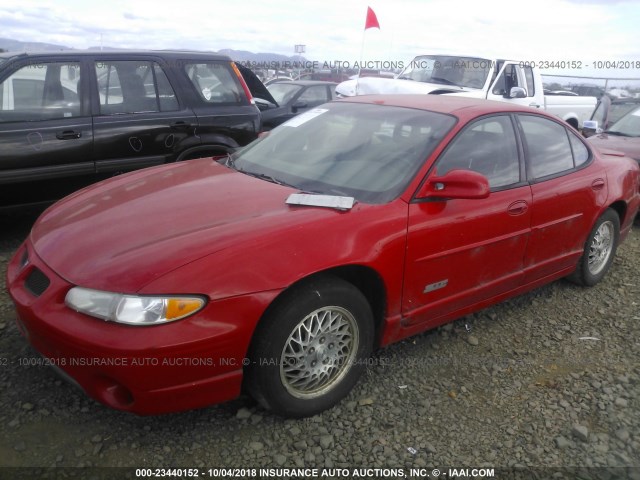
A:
180	125
535	105
597	184
68	135
517	208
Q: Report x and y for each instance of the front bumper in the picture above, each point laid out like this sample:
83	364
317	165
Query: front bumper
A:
182	365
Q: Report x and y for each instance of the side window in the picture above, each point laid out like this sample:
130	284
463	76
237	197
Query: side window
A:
506	81
488	147
215	82
580	152
108	87
41	91
133	87
166	94
315	95
528	75
548	146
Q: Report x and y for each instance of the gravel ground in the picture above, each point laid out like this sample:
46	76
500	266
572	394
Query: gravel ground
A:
523	388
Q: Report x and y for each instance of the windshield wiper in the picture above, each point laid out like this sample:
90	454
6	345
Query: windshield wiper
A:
443	81
227	161
264	176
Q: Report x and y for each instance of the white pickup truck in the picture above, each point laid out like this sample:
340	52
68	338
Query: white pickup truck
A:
493	79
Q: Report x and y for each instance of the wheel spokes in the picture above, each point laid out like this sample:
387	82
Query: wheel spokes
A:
319	351
601	248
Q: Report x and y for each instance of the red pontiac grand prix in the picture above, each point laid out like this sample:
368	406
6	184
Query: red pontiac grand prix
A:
278	269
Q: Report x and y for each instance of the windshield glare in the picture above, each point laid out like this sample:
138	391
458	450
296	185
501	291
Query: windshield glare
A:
469	72
369	152
629	125
283	92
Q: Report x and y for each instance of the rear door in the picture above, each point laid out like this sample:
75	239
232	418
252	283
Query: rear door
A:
45	128
565	191
139	121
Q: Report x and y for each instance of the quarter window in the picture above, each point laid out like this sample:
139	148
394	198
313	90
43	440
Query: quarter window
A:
41	92
134	87
548	146
488	147
214	82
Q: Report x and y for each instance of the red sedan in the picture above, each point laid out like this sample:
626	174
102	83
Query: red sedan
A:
280	268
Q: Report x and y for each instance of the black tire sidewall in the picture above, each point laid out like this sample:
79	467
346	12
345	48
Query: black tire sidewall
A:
263	373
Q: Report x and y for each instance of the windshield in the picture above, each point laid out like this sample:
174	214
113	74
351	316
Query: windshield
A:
369	152
627	126
283	92
467	72
619	110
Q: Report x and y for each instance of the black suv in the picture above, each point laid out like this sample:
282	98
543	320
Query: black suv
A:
71	118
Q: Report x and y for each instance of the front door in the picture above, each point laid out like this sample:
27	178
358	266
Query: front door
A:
461	252
513	75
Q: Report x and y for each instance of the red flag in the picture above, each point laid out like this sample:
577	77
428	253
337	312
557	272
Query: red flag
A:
372	20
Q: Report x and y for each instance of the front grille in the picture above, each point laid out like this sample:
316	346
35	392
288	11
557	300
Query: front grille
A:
37	282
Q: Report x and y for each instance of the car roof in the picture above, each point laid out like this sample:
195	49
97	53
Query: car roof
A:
462	107
171	54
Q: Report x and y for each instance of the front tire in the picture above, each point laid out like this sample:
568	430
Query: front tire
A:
599	250
310	349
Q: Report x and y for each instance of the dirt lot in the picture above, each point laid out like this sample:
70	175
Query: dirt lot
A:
549	379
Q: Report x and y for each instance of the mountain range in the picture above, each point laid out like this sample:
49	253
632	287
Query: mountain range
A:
11	45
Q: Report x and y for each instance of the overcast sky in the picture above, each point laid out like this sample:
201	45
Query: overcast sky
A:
540	30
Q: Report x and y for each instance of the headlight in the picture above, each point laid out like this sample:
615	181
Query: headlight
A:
132	309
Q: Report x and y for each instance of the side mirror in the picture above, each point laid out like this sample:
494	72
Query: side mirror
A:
517	92
456	184
590	128
298	105
263	104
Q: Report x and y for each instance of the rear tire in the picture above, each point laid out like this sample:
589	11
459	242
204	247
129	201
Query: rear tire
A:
599	250
311	348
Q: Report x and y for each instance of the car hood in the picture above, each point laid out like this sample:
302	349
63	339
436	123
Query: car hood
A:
159	220
630	146
379	85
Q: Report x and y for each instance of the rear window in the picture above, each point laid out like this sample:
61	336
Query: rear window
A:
215	82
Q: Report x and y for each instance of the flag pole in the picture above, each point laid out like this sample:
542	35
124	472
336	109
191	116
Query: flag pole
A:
360	62
370	22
